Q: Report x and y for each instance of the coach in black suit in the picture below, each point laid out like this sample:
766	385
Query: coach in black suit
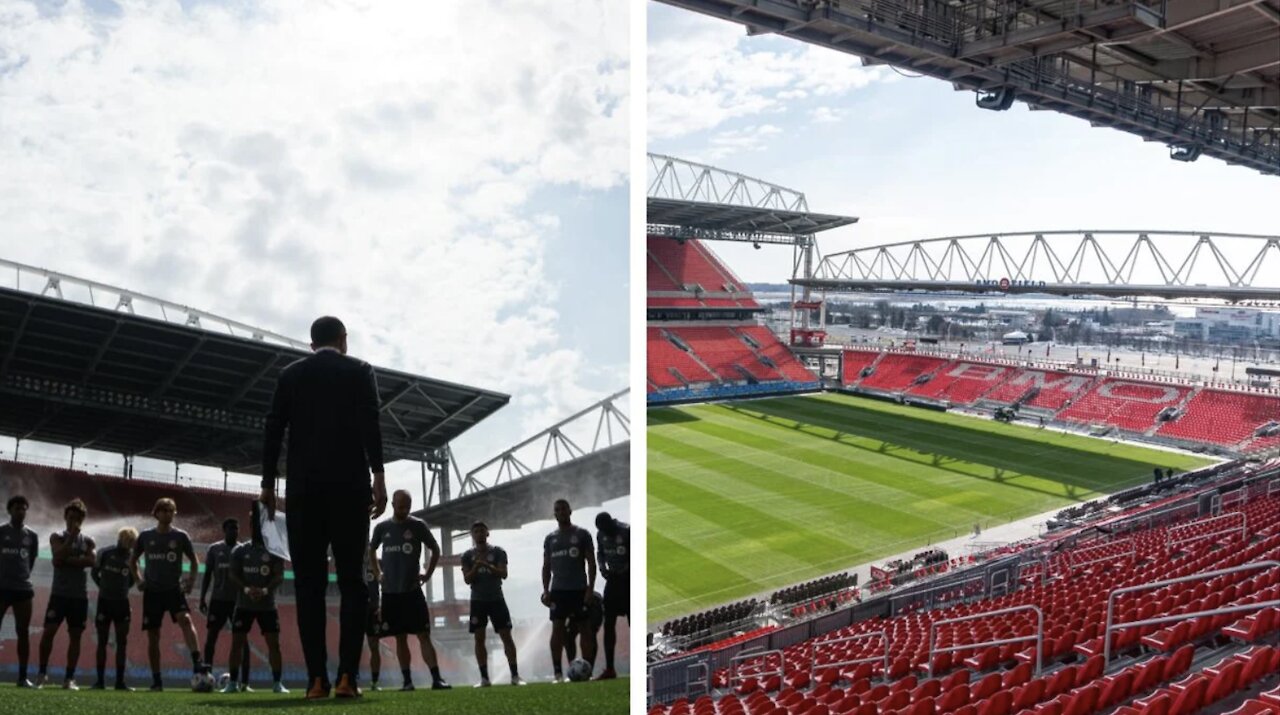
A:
329	404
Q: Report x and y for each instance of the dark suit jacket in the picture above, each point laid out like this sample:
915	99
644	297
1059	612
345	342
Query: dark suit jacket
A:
329	403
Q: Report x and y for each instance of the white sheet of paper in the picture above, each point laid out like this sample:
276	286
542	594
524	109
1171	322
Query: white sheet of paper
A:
275	534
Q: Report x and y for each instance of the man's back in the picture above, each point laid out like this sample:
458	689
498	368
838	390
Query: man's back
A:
329	403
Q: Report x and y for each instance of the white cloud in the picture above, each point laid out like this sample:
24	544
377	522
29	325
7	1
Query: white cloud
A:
704	73
824	115
738	141
372	160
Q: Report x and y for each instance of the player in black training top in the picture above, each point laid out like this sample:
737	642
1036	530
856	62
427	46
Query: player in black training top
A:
217	562
73	552
255	574
613	540
114	578
164	587
18	547
484	568
568	581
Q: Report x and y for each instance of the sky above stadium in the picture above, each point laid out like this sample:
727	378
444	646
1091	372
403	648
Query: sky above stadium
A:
449	178
910	156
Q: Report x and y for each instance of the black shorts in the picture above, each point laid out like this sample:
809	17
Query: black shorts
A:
482	612
372	624
268	621
617	595
567	603
113	611
156	603
404	613
10	597
75	611
220	611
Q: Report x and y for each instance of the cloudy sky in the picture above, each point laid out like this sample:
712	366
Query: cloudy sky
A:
910	156
448	177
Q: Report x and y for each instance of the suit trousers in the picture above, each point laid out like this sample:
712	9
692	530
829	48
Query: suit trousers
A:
320	518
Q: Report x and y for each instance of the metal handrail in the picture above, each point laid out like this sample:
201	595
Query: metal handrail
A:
1038	637
813	652
1111	598
1172	542
896	600
1273	487
763	655
705	680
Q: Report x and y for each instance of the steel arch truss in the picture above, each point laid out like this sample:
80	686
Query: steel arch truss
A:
605	423
672	178
1170	264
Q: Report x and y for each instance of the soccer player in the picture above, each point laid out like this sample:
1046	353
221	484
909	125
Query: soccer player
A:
404	607
73	552
18	547
568	581
217	561
373	620
613	540
255	573
114	578
484	568
164	587
584	627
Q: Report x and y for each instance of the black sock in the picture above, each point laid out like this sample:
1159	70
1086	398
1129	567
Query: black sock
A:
373	677
102	674
71	673
120	672
155	677
435	675
195	660
404	672
22	671
484	672
275	675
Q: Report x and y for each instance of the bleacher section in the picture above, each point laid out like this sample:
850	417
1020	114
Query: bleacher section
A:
665	356
1052	389
1221	661
896	372
1129	405
1222	417
962	382
686	274
777	353
853	362
725	352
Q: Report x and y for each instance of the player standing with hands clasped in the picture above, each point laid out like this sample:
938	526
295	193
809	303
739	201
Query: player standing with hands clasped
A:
484	568
568	582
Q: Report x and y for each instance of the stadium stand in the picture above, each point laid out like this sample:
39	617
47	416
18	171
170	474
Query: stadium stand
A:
853	363
896	372
1046	389
1220	660
768	345
670	365
725	352
689	625
962	382
1125	404
811	589
1223	417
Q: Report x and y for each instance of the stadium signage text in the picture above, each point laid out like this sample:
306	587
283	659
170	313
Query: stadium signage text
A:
1005	283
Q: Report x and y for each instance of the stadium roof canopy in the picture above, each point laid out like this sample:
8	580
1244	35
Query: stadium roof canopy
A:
691	200
1202	76
165	387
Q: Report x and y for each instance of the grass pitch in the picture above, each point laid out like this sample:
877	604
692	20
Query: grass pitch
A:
745	497
593	698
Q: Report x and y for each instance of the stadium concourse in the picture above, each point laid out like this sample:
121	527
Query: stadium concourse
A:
153	379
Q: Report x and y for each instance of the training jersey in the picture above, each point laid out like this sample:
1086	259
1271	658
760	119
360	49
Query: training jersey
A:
114	576
163	553
614	551
71	581
486	584
401	543
255	566
217	561
568	551
18	547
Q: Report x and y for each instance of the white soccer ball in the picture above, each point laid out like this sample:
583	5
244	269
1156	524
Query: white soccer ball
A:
201	683
579	670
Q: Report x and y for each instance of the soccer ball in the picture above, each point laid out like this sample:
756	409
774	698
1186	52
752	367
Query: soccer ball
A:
201	683
579	670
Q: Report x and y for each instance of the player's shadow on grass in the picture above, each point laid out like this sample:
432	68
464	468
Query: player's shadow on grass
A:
900	433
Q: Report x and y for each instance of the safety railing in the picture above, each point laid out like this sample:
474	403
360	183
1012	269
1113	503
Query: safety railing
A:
699	675
1085	557
939	595
764	671
1223	524
1231	499
1038	637
814	651
1113	627
1273	487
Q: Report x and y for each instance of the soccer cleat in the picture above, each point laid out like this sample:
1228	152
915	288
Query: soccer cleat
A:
42	680
607	674
156	688
517	680
440	685
558	678
347	688
98	685
407	687
484	683
318	690
375	687
124	688
279	688
24	683
70	685
244	688
229	688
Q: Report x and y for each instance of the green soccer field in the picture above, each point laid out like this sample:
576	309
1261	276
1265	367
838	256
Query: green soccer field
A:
746	497
594	698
